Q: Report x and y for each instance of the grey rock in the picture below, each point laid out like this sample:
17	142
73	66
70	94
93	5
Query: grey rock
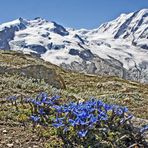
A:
10	144
4	45
74	51
8	33
37	72
38	48
58	46
59	30
86	55
79	38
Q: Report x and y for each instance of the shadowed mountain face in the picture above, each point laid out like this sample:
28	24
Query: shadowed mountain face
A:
117	48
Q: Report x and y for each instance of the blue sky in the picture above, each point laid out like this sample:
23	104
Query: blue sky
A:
70	13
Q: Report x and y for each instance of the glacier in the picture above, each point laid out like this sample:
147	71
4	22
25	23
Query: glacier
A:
116	48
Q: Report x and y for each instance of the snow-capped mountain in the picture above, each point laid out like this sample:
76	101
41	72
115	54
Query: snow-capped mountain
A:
133	27
119	47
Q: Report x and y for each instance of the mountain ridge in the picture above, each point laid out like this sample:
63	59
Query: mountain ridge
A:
118	47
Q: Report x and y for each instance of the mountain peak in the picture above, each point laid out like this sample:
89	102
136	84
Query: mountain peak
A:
121	42
17	24
126	26
145	10
38	18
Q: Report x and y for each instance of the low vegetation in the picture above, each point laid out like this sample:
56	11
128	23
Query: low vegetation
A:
21	114
91	123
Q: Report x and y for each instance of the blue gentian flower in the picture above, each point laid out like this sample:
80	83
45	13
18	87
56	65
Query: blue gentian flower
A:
102	116
82	133
100	103
48	102
58	108
42	111
35	118
77	121
55	98
57	125
82	114
107	107
58	122
59	119
12	98
93	119
65	129
71	122
41	96
145	128
125	109
119	111
28	100
37	103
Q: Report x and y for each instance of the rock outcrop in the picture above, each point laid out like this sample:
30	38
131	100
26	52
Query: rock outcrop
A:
37	72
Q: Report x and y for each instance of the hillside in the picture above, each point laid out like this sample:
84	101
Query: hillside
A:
73	85
20	75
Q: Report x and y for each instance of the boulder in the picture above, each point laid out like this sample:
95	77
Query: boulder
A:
38	72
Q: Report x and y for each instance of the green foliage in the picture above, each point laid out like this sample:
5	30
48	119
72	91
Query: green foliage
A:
79	88
85	124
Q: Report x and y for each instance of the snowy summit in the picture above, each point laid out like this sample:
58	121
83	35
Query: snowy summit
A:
119	47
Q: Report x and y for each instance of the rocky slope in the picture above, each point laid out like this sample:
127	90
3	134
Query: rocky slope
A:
117	48
18	74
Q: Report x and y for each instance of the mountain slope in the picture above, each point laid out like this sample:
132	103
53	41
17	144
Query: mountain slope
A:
77	86
117	48
131	26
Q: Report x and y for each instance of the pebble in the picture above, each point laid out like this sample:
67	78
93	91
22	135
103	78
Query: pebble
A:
2	142
17	141
4	131
10	144
35	146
